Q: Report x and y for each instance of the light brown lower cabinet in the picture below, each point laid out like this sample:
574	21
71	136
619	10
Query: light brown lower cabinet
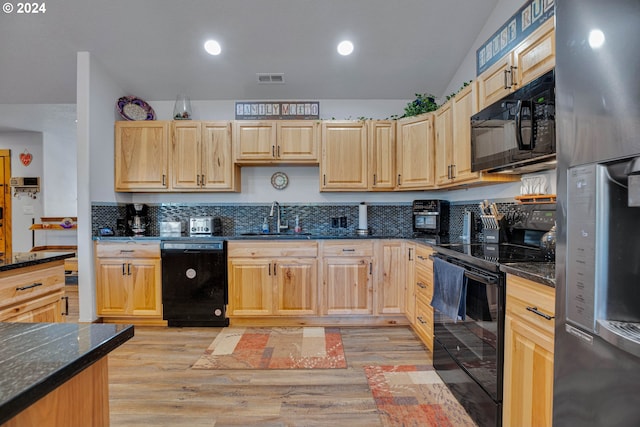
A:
272	278
423	322
129	281
347	269
33	294
528	353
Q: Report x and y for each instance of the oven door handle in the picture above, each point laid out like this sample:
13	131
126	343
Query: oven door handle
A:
481	278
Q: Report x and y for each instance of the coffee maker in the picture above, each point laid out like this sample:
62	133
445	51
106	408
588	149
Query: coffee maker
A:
137	220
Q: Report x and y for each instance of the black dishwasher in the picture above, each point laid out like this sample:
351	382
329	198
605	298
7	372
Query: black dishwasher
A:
194	283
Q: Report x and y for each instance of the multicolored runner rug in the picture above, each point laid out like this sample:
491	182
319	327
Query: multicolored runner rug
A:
414	396
275	348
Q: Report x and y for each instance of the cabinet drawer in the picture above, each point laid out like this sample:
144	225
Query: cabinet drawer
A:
47	308
32	283
272	249
348	248
128	249
525	297
424	290
424	322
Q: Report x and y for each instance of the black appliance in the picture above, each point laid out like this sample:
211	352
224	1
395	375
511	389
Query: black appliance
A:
468	354
430	217
517	132
137	219
194	283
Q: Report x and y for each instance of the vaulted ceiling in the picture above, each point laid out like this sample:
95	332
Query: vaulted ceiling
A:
154	48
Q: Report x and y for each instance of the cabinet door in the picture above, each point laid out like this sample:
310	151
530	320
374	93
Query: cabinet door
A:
44	309
250	287
348	285
298	141
141	155
218	170
497	81
344	156
112	286
528	375
296	283
415	153
145	282
185	155
444	143
390	289
537	54
465	104
382	155
254	140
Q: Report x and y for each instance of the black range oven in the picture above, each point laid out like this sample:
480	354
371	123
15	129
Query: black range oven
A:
468	351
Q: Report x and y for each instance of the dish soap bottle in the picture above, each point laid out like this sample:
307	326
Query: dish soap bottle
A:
265	225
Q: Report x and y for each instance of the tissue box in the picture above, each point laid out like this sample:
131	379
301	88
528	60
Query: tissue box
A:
170	229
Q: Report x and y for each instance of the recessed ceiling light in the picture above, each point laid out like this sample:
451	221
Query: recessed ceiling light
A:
212	47
345	48
596	39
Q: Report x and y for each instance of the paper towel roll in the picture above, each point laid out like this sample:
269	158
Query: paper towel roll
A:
362	217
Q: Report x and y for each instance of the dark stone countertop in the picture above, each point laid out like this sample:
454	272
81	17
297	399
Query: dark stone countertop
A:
36	358
540	272
26	259
248	236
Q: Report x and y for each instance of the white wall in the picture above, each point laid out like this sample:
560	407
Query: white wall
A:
23	208
96	94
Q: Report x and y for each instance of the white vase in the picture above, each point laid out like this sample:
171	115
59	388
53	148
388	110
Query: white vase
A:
182	108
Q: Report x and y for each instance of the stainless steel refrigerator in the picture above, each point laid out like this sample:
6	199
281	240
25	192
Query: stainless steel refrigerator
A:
597	341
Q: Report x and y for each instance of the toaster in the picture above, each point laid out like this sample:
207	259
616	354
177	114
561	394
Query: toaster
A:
201	226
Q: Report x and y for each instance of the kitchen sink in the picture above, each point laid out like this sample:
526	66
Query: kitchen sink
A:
275	235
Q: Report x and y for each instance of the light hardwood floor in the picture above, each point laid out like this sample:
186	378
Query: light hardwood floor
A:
151	383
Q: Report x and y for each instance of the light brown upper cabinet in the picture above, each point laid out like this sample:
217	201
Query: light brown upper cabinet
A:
415	153
141	155
453	138
202	157
276	141
530	59
382	155
344	156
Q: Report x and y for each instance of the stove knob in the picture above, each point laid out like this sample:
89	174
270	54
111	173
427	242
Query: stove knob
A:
193	229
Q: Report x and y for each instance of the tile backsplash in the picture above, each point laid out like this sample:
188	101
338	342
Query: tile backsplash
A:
394	220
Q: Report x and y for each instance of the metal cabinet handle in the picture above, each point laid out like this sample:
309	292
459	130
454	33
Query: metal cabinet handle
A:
410	252
124	272
273	151
421	258
453	173
348	250
128	269
278	151
375	180
129	251
512	68
24	288
421	285
66	306
164	179
421	320
324	179
274	268
539	313
269	269
399	179
370	268
506	84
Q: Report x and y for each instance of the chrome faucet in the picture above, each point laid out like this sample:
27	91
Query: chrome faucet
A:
279	225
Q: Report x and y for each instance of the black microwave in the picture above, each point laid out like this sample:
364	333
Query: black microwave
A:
518	132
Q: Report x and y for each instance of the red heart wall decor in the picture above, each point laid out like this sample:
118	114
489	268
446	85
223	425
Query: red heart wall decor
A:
26	158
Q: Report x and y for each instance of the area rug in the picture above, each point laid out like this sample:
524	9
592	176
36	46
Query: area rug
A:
274	348
414	395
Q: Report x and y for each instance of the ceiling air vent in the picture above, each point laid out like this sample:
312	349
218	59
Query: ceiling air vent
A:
270	78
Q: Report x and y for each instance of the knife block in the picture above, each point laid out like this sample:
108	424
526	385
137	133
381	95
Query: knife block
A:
496	235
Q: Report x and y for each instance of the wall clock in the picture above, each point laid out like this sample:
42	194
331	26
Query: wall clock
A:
279	180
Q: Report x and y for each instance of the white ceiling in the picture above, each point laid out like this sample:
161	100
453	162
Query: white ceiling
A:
153	48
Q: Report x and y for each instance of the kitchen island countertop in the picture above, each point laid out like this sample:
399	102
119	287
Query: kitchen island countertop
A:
36	358
26	259
540	272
